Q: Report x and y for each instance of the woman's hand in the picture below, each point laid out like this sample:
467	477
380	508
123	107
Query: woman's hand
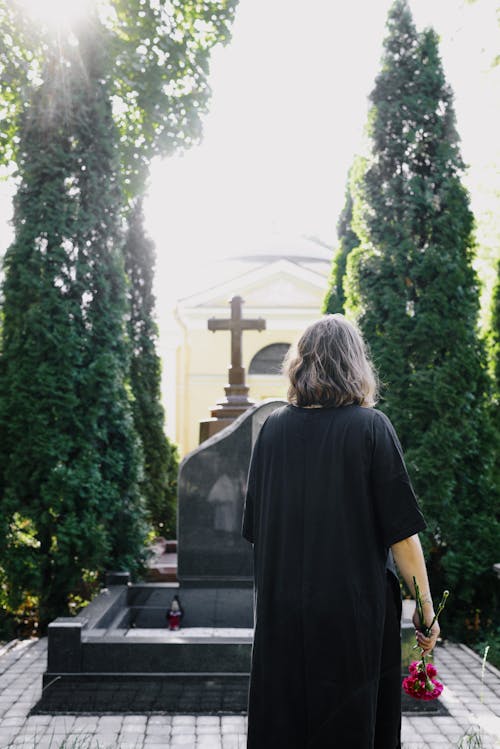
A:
426	643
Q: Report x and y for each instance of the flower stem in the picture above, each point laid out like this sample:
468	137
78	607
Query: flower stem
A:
420	609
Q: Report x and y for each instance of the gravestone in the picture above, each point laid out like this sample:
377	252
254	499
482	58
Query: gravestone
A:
215	565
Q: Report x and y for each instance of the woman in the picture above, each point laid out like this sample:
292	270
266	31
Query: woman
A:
328	498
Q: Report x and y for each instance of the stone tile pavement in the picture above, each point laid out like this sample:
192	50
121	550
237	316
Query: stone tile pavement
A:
473	703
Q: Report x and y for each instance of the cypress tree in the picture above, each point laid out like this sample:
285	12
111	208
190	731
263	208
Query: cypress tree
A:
412	287
69	454
159	483
494	336
348	239
494	351
104	294
41	358
69	458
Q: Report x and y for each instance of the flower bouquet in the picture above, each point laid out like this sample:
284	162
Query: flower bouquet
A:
421	683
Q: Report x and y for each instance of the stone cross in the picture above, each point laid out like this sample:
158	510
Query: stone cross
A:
236	324
236	400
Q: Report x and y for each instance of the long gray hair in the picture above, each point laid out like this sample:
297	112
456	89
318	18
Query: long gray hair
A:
330	366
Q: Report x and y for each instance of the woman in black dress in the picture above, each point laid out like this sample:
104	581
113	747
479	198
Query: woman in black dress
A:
329	508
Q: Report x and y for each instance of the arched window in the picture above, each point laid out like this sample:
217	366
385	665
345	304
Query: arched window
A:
269	359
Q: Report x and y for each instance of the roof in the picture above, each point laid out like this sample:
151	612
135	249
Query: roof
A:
297	249
309	256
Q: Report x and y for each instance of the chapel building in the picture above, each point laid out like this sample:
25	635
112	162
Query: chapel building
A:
284	283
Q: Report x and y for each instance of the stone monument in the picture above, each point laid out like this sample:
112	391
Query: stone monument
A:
215	566
236	401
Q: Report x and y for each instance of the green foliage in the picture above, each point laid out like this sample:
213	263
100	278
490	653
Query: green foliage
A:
159	73
156	72
411	285
21	53
472	739
490	644
348	239
494	336
69	455
494	355
159	483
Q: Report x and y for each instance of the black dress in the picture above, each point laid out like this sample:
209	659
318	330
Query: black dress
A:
328	494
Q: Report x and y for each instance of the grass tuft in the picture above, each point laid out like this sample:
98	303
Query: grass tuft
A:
472	739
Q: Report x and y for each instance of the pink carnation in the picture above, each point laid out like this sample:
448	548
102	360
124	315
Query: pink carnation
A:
431	670
417	684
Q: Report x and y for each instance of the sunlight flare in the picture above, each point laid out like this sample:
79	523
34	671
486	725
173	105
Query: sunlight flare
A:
56	13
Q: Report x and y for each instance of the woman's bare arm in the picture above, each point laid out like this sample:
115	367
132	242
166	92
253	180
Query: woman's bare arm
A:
410	561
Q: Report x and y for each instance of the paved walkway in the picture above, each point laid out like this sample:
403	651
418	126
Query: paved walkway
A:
473	704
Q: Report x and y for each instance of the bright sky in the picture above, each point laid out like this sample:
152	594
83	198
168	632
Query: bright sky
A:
287	114
288	110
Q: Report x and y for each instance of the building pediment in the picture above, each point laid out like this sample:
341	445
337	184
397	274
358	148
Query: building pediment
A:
281	284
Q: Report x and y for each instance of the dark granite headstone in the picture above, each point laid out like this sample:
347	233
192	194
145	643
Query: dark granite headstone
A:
212	485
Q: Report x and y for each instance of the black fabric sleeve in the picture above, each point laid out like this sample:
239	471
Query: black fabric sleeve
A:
248	524
247	530
396	507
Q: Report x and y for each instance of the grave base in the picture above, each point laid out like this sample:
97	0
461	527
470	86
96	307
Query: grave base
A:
143	693
117	656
